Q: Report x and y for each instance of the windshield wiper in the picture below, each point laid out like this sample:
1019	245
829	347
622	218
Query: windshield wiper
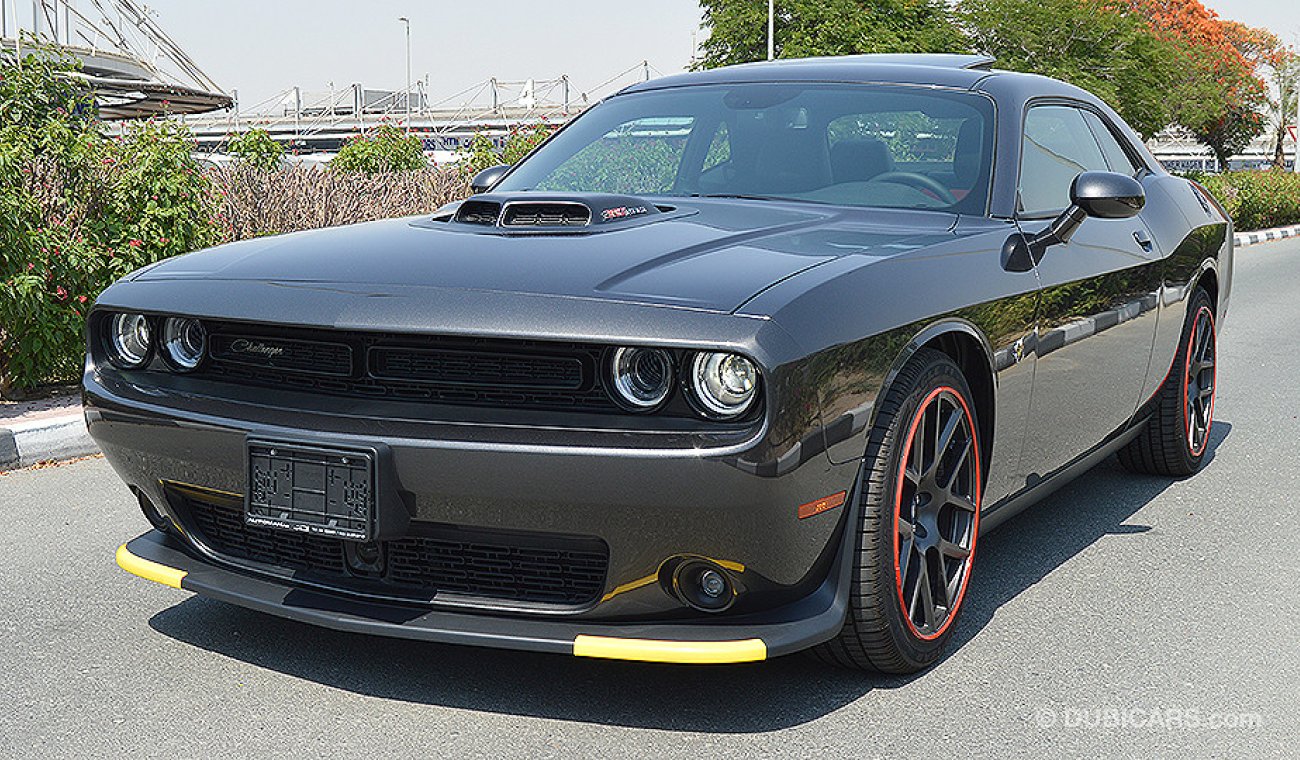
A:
742	196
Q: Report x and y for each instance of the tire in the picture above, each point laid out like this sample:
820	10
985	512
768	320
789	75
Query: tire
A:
1176	435
897	509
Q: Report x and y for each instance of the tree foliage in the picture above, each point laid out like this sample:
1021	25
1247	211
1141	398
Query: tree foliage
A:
79	210
256	149
738	29
385	149
1110	53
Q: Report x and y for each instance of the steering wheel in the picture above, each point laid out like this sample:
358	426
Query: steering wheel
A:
920	182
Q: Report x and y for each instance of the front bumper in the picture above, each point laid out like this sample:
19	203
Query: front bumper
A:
791	628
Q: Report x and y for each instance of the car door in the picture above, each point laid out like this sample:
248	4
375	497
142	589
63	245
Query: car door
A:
1098	302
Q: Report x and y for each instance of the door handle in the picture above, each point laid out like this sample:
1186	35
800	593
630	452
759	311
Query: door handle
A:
1143	240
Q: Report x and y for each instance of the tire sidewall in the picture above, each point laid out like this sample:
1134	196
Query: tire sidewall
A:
878	535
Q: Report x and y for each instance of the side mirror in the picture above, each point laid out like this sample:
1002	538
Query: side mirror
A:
1101	195
486	179
1107	195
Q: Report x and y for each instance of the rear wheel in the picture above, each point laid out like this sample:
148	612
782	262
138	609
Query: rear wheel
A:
919	517
1177	434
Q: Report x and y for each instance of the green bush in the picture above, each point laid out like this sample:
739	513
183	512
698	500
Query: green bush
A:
386	149
1256	200
257	150
481	153
79	210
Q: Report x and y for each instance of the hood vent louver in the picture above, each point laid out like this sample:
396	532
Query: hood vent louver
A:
478	212
545	214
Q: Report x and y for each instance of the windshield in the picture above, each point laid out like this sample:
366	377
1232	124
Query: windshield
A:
856	145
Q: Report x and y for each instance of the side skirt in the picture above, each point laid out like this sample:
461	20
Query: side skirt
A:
1017	502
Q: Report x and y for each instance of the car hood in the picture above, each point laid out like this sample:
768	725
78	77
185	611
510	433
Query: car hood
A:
711	255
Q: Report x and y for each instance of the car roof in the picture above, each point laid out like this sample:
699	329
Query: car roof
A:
954	70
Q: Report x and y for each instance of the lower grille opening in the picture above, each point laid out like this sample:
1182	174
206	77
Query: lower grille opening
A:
532	568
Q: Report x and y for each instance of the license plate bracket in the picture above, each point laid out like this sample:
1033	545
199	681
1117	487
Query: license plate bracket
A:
310	488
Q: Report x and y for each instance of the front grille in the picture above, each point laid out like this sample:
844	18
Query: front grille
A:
308	356
473	368
534	568
436	369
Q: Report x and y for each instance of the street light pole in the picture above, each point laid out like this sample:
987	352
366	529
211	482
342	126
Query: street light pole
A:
407	22
771	24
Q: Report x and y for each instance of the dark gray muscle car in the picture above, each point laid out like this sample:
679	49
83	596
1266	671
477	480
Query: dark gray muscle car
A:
738	363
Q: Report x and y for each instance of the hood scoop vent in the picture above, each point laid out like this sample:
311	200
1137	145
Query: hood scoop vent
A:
545	214
478	212
535	211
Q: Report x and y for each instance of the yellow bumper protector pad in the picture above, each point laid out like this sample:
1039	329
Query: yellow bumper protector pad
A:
151	571
652	650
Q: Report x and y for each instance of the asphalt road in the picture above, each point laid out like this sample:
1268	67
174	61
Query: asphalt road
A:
1125	616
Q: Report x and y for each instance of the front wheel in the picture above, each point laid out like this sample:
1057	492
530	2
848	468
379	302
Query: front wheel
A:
919	517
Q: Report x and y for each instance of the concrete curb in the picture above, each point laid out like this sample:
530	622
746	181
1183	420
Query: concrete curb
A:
1243	239
64	436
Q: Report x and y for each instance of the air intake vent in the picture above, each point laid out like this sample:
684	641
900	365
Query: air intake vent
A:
549	214
478	212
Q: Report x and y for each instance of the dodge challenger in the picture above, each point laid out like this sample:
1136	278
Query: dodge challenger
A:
738	363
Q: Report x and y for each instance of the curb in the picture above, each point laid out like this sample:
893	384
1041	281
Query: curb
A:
27	443
1243	239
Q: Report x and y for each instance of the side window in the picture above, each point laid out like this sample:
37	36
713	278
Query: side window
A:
1058	146
1116	158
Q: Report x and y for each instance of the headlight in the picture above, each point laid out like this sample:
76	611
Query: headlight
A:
724	385
642	378
185	342
129	340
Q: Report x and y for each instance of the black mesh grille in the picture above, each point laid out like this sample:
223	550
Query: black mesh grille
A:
473	368
316	357
479	566
437	369
525	567
224	530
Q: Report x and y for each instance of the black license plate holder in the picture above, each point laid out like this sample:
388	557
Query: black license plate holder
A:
308	488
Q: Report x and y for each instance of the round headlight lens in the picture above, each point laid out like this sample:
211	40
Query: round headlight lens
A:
725	384
642	377
129	339
185	341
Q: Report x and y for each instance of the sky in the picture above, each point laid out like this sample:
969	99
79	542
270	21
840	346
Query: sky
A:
262	47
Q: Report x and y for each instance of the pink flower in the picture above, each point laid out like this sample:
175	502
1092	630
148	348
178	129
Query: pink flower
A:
135	243
81	299
60	292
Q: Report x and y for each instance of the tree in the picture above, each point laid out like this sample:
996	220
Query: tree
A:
1218	96
738	29
1092	44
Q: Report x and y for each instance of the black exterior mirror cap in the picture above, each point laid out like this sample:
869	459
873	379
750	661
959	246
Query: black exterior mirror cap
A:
487	179
1107	195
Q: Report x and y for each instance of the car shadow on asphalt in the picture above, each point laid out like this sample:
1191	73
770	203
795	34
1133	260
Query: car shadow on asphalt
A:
750	698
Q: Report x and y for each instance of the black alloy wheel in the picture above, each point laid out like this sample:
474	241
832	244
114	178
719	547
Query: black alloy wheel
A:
918	498
1176	435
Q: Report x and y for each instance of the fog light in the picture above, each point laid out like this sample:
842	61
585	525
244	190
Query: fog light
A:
703	586
712	584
